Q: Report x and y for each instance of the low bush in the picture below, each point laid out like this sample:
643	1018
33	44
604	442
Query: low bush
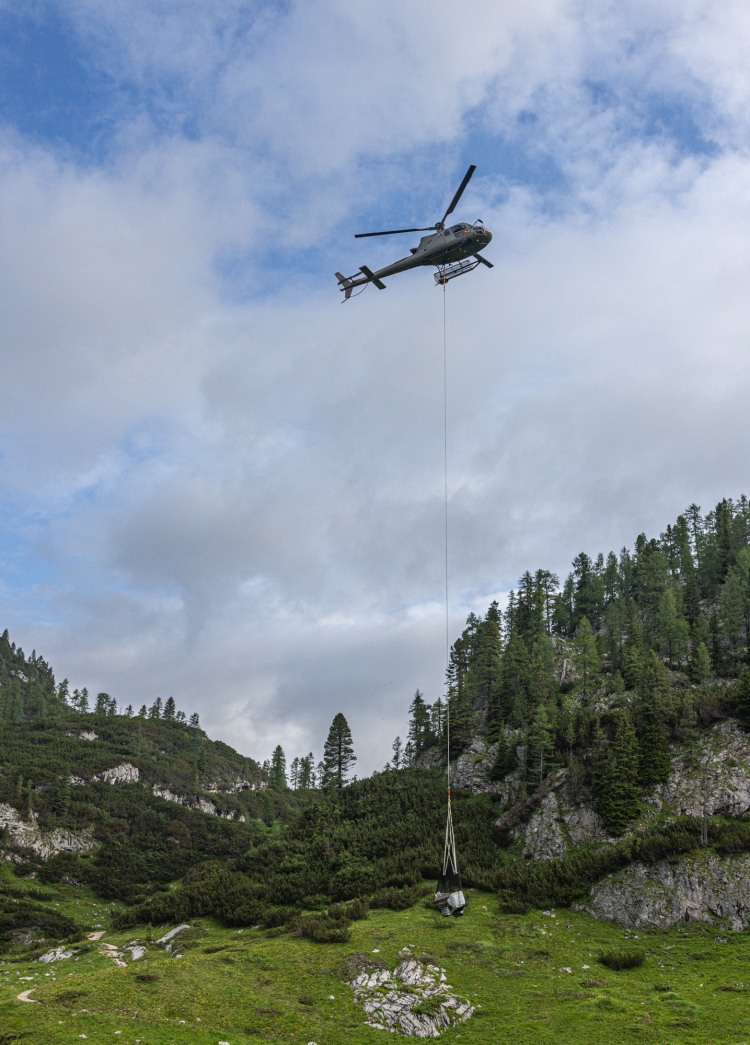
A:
323	929
394	898
620	960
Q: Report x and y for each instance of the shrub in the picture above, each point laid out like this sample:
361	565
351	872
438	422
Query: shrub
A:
323	929
619	960
395	898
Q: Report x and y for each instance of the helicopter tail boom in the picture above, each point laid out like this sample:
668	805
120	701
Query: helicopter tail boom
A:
346	285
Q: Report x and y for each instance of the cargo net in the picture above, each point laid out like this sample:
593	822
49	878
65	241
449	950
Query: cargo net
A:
449	897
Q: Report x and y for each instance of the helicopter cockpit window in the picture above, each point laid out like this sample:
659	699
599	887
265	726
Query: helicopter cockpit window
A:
458	230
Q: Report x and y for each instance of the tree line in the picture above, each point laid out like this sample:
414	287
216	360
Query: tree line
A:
600	673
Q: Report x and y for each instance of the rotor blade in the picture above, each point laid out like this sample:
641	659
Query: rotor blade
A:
392	232
459	191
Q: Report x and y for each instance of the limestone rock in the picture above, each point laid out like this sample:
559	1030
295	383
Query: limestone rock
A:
27	834
413	1000
57	954
124	774
232	787
200	805
705	888
713	779
543	835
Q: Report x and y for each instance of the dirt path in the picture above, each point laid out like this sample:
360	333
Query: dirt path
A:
24	996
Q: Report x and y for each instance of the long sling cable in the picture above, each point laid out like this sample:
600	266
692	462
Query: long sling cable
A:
445	490
449	852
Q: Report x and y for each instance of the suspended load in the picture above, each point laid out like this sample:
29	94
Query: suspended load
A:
449	897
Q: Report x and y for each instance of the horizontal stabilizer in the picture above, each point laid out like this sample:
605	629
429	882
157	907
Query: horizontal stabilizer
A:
346	285
372	277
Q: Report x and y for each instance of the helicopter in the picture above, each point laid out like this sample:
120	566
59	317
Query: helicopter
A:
454	251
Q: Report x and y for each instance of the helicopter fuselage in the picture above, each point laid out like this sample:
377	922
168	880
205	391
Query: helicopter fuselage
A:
442	247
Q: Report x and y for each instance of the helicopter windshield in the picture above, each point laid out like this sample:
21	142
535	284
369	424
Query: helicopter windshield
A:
459	230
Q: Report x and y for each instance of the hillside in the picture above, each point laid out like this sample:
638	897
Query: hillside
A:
601	768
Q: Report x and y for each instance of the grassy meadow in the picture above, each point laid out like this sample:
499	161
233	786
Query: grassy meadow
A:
533	978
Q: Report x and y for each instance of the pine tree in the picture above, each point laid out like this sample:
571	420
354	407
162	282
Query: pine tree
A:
397	753
587	660
617	788
170	709
306	772
277	771
102	704
699	666
419	726
338	753
505	758
742	697
651	710
672	630
539	746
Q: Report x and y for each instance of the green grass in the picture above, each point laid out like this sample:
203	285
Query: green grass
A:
247	987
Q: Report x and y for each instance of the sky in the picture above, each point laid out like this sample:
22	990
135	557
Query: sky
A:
219	484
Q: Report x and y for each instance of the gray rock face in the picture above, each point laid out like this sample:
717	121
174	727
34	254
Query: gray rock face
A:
713	779
704	888
469	770
413	1000
543	835
557	820
26	834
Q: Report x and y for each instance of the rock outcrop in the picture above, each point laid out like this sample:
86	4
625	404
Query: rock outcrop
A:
414	1000
712	779
200	805
27	834
704	888
124	774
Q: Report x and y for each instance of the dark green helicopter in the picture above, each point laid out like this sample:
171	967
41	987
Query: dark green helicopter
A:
454	251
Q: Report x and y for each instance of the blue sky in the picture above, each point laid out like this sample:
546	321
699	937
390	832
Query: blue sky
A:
220	484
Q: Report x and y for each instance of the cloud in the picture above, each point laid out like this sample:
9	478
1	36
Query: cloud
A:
221	485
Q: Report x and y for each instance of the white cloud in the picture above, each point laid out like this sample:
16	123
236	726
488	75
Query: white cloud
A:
237	499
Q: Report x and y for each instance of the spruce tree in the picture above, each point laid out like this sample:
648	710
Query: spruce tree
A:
338	753
397	753
617	788
652	709
419	726
742	697
587	660
699	666
539	746
505	758
277	772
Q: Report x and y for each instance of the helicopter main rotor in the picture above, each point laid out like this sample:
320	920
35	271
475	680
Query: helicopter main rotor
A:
429	228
